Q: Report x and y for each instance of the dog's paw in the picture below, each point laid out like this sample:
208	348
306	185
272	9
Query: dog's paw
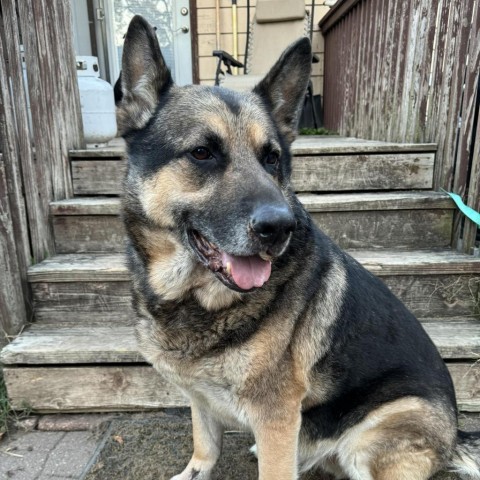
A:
253	450
192	474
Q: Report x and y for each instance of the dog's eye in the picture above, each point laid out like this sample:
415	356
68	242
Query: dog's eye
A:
201	153
272	158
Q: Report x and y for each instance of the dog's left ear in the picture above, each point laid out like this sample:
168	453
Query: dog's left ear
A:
145	76
285	85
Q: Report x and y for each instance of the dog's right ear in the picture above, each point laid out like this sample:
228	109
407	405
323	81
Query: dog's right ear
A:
144	76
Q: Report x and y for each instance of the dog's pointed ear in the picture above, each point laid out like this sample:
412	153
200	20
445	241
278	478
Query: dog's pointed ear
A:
144	76
285	85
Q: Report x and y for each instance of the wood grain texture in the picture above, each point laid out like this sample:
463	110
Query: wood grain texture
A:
318	173
91	302
405	72
112	267
13	302
414	200
92	389
98	177
408	220
64	344
371	229
362	172
96	233
119	388
83	302
30	179
53	90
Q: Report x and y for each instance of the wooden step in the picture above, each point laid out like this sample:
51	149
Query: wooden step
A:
406	220
107	342
320	164
92	287
98	368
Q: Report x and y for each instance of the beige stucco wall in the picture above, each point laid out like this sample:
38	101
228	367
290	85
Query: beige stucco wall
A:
207	35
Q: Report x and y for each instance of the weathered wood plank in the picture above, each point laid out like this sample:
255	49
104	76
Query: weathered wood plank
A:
437	295
406	229
92	302
13	302
76	389
466	379
53	90
403	229
94	233
362	172
313	202
98	177
467	167
368	171
303	145
117	388
34	188
112	267
83	302
64	344
68	344
367	220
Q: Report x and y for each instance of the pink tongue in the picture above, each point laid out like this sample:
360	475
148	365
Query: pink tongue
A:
247	272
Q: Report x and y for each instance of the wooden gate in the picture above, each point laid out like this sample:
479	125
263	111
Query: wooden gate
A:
409	72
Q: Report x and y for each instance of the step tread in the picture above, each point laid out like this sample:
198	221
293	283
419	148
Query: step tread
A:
112	266
110	343
304	144
313	203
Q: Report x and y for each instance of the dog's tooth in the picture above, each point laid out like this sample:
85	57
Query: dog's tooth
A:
229	268
265	256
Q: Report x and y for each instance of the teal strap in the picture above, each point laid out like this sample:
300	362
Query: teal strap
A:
473	215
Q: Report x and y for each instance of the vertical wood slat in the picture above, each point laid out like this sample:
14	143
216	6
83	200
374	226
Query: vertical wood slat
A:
403	77
14	239
13	310
46	28
467	172
36	178
455	68
8	146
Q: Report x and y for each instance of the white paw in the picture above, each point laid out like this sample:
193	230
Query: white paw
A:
192	474
253	450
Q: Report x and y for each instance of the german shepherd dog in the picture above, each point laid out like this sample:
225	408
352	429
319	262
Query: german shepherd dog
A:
252	311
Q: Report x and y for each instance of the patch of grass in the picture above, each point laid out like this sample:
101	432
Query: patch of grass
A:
7	415
316	131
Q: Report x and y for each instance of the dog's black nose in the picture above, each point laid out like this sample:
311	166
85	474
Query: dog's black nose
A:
272	223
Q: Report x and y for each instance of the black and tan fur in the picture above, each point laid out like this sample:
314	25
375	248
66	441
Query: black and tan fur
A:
323	364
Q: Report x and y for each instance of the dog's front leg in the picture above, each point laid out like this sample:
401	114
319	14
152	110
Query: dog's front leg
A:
207	445
277	445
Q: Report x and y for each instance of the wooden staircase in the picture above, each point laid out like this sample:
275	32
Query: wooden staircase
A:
373	198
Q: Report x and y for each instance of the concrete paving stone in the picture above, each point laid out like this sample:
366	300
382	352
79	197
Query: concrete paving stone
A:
45	455
72	422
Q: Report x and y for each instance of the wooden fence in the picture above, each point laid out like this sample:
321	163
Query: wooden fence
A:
408	71
34	165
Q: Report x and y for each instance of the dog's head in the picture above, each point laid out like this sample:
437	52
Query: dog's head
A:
211	165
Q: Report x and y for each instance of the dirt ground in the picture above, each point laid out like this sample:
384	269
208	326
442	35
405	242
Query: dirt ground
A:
158	446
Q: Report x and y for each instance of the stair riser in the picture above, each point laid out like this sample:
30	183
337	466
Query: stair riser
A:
426	296
118	388
404	229
319	173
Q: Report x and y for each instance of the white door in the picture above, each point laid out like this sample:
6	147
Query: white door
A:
172	21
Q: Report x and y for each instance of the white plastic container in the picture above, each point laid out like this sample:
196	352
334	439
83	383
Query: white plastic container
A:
97	103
